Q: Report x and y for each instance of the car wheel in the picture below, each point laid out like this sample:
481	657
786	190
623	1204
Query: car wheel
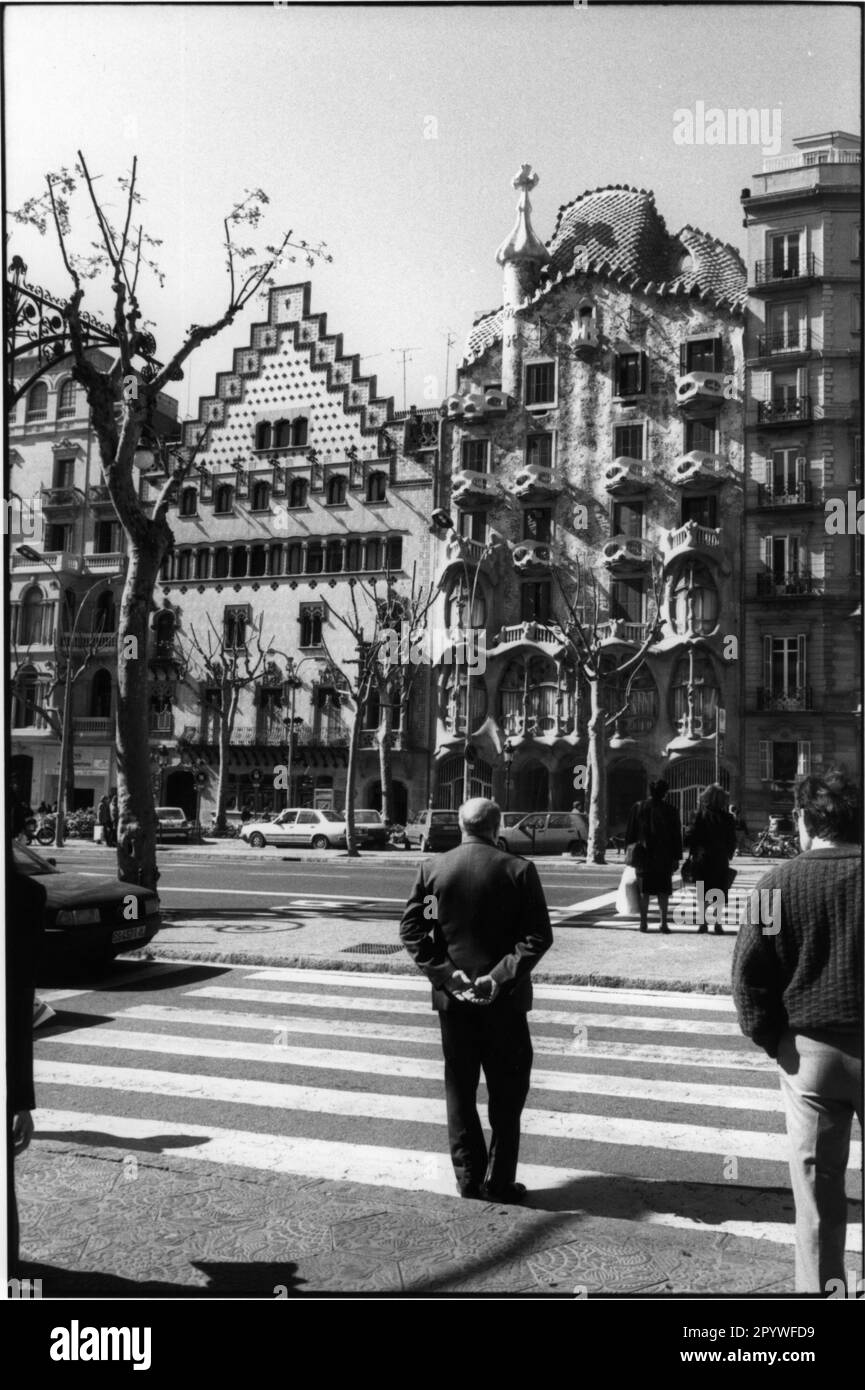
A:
503	844
576	847
320	842
257	841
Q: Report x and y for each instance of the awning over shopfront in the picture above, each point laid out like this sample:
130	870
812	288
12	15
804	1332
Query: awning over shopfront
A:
310	756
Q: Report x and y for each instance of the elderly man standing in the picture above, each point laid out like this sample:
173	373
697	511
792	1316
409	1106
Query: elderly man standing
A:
476	923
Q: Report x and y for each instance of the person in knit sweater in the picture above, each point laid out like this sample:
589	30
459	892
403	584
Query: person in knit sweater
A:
797	987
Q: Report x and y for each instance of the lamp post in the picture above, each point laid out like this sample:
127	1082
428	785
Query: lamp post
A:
443	521
66	723
508	755
293	681
160	759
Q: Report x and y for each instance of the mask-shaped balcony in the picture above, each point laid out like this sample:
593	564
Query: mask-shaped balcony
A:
469	488
545	636
696	469
496	402
533	555
626	553
700	393
474	406
625	475
691	539
618	633
534	478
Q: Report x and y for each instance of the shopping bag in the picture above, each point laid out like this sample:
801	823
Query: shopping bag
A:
628	894
98	834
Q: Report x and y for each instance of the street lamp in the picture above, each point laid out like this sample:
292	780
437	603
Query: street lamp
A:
36	557
508	755
294	683
442	521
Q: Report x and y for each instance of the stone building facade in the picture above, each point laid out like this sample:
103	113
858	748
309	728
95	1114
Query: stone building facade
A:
597	422
65	587
303	489
802	674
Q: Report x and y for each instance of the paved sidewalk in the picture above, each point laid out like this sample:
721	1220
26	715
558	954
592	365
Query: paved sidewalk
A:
98	1222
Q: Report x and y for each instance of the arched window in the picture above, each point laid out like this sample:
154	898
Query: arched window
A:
297	492
642	703
299	431
457	605
263	434
314	557
282	434
100	695
333	560
32	617
694	690
106	612
528	698
189	501
694	601
224	499
455	702
294	563
185	561
260	500
239	562
336	489
67	399
221	562
258	560
37	402
354	555
274	559
26	686
374	555
376	487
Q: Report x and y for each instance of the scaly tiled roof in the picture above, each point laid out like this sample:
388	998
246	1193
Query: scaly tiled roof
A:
618	234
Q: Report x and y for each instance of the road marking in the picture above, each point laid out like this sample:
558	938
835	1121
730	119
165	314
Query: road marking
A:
752	1060
315	899
417	1068
663	998
417	1171
721	1027
372	1105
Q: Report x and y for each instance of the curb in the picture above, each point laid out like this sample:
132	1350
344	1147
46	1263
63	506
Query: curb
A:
391	967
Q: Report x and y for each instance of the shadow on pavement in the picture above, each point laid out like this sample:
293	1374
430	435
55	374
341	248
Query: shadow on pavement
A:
155	1143
238	1280
627	1199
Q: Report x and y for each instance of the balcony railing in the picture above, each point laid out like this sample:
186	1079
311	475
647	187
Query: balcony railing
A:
98	495
697	466
792	584
529	632
800	494
61	560
93	725
462	547
468	483
691	537
89	641
62	497
625	474
535	477
770	272
777	162
788	411
793	698
699	392
161	721
626	551
110	561
617	630
772	344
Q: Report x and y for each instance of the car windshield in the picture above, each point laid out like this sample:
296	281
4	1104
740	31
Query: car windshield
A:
28	862
170	813
444	817
367	818
330	815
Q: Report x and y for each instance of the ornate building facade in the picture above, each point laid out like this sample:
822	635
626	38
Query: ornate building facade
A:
597	428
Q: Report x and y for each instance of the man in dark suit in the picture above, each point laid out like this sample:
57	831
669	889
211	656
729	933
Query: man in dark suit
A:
476	923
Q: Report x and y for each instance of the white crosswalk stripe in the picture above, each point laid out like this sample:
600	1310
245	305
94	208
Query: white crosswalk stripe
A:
338	1074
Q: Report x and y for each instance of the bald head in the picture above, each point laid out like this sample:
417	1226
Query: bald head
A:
480	816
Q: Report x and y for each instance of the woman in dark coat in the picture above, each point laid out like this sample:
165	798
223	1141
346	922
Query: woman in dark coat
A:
655	825
712	842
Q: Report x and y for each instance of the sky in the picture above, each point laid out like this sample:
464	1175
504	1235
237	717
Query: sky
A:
393	135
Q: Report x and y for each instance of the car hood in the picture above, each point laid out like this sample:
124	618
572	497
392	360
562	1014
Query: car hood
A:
71	889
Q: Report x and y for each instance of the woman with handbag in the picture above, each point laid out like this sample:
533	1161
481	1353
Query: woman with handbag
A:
654	848
712	843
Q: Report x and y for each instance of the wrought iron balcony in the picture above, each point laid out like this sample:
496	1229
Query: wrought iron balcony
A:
696	468
700	393
94	726
626	552
62	497
99	496
790	699
799	495
625	475
692	538
775	344
161	721
89	641
533	555
534	477
792	584
468	487
790	410
771	273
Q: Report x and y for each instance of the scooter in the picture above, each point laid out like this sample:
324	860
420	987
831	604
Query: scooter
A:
771	845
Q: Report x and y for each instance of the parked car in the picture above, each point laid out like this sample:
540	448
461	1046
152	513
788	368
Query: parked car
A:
88	913
433	830
171	824
370	830
297	826
546	832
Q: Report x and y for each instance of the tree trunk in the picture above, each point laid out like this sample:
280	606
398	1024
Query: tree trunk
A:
136	837
350	778
385	762
224	756
597	756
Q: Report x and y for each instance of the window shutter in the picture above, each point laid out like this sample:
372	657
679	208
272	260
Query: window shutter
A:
683	358
801	673
617	374
767	552
643	384
765	760
767	663
801	465
718	361
803	758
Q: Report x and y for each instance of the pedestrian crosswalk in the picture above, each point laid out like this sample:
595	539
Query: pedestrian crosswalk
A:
645	1105
687	909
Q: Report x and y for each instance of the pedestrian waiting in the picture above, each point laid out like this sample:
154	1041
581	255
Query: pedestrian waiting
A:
711	840
653	849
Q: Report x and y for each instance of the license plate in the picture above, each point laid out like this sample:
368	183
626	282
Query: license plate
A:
127	934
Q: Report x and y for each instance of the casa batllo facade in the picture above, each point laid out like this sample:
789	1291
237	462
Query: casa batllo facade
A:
303	486
598	413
